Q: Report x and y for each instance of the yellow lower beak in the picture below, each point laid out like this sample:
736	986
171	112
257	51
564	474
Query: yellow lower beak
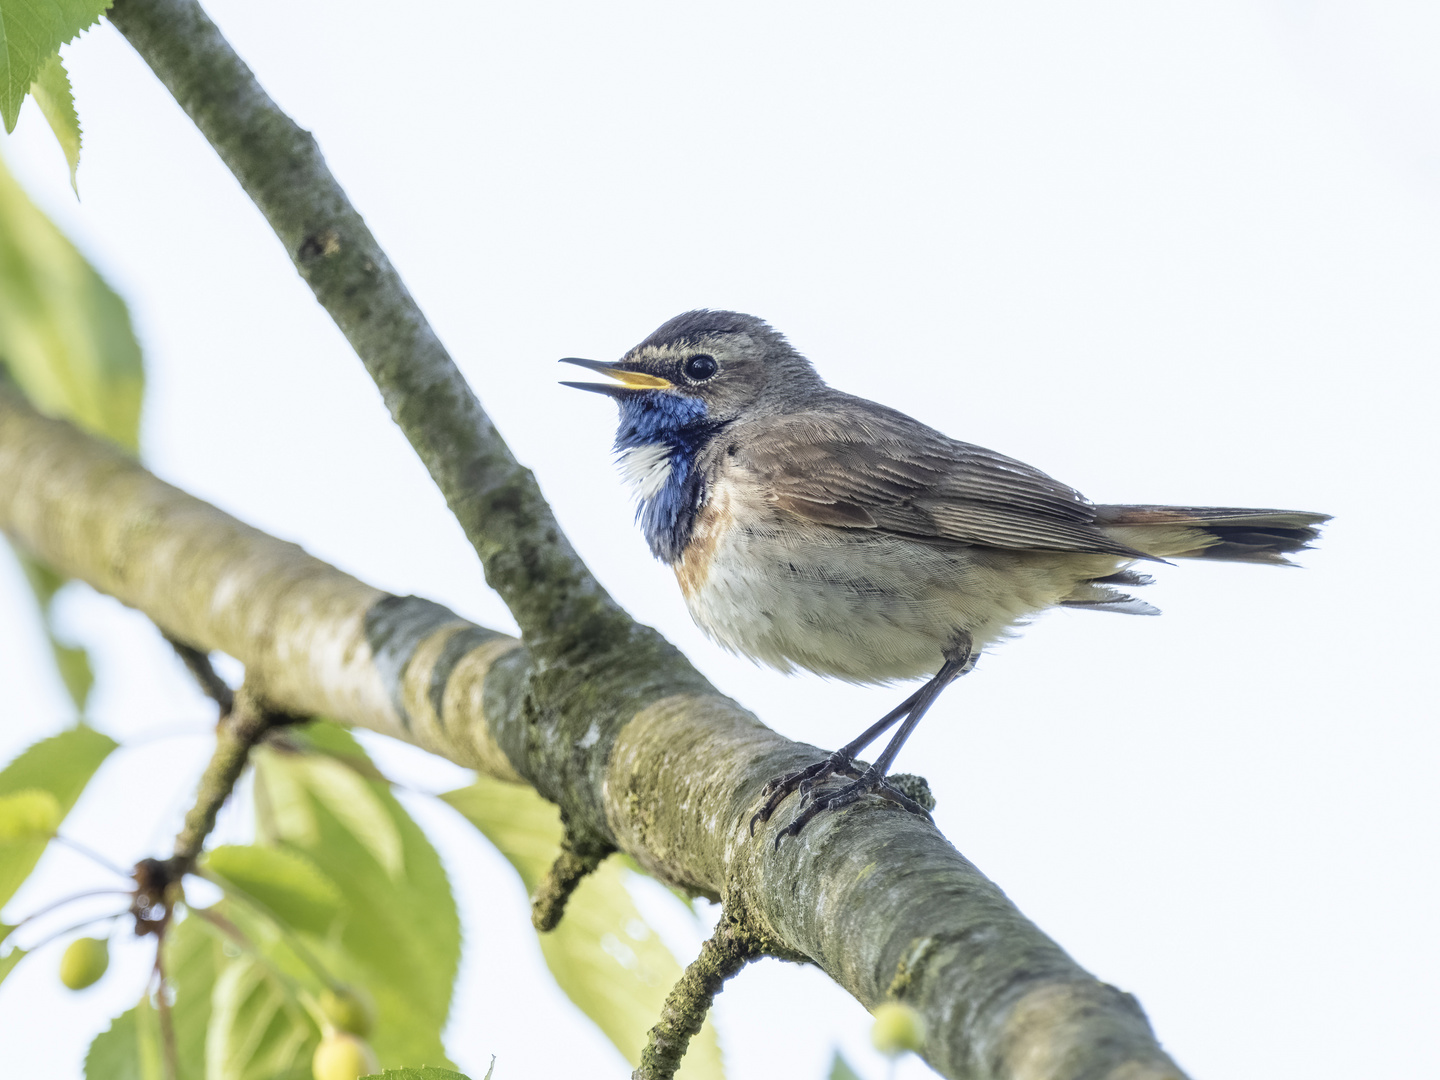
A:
629	380
637	380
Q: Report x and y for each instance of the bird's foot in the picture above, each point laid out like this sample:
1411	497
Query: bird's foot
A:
869	782
804	780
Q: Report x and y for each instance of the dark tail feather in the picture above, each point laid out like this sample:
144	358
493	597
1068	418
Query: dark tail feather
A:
1211	532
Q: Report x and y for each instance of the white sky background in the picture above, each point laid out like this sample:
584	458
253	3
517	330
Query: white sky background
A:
1167	252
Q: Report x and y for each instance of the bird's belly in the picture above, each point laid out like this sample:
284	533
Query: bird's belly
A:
856	604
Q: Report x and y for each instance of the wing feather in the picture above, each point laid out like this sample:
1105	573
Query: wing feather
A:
853	464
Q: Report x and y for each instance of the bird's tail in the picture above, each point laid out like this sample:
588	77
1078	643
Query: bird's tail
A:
1211	532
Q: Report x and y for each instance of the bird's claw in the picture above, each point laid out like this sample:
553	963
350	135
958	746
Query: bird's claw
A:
804	780
868	782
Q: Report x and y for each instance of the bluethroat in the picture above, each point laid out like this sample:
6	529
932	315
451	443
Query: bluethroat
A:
811	528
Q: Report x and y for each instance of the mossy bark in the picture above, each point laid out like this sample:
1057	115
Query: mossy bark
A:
722	956
659	764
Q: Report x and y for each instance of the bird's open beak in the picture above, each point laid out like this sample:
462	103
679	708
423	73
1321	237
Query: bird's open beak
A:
625	381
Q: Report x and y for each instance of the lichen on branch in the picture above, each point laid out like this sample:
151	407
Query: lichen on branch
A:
722	956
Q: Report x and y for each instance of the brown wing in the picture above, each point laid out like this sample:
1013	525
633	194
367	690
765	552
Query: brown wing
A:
855	464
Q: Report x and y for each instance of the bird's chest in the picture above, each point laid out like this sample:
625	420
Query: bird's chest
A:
790	593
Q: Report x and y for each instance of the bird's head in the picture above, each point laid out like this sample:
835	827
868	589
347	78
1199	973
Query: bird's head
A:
699	372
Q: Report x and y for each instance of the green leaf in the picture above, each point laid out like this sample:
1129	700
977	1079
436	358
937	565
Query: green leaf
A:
59	766
8	962
356	802
65	336
13	957
130	1049
289	885
133	1048
840	1069
257	1030
425	1072
51	91
602	954
62	764
44	582
398	933
72	662
28	819
31	31
193	956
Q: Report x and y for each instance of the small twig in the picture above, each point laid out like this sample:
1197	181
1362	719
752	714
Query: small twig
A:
244	720
215	688
48	908
48	938
728	950
225	926
576	860
93	856
167	1022
240	728
157	881
180	729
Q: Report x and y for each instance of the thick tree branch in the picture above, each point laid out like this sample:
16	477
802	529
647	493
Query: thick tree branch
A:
876	897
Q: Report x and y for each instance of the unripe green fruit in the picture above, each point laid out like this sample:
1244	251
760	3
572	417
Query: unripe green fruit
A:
85	960
898	1028
343	1056
349	1009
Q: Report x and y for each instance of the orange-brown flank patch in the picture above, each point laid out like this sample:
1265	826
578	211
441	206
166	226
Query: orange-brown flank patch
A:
693	569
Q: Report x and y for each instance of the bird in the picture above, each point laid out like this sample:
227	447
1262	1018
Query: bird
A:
810	528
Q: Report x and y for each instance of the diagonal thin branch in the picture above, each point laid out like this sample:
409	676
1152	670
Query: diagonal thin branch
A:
555	599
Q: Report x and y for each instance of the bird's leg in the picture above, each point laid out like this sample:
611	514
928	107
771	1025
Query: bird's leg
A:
872	780
959	659
841	762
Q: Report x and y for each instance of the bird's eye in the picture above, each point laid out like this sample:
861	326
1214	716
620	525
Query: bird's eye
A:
699	368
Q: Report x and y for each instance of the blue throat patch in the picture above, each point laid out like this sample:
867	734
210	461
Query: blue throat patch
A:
652	417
